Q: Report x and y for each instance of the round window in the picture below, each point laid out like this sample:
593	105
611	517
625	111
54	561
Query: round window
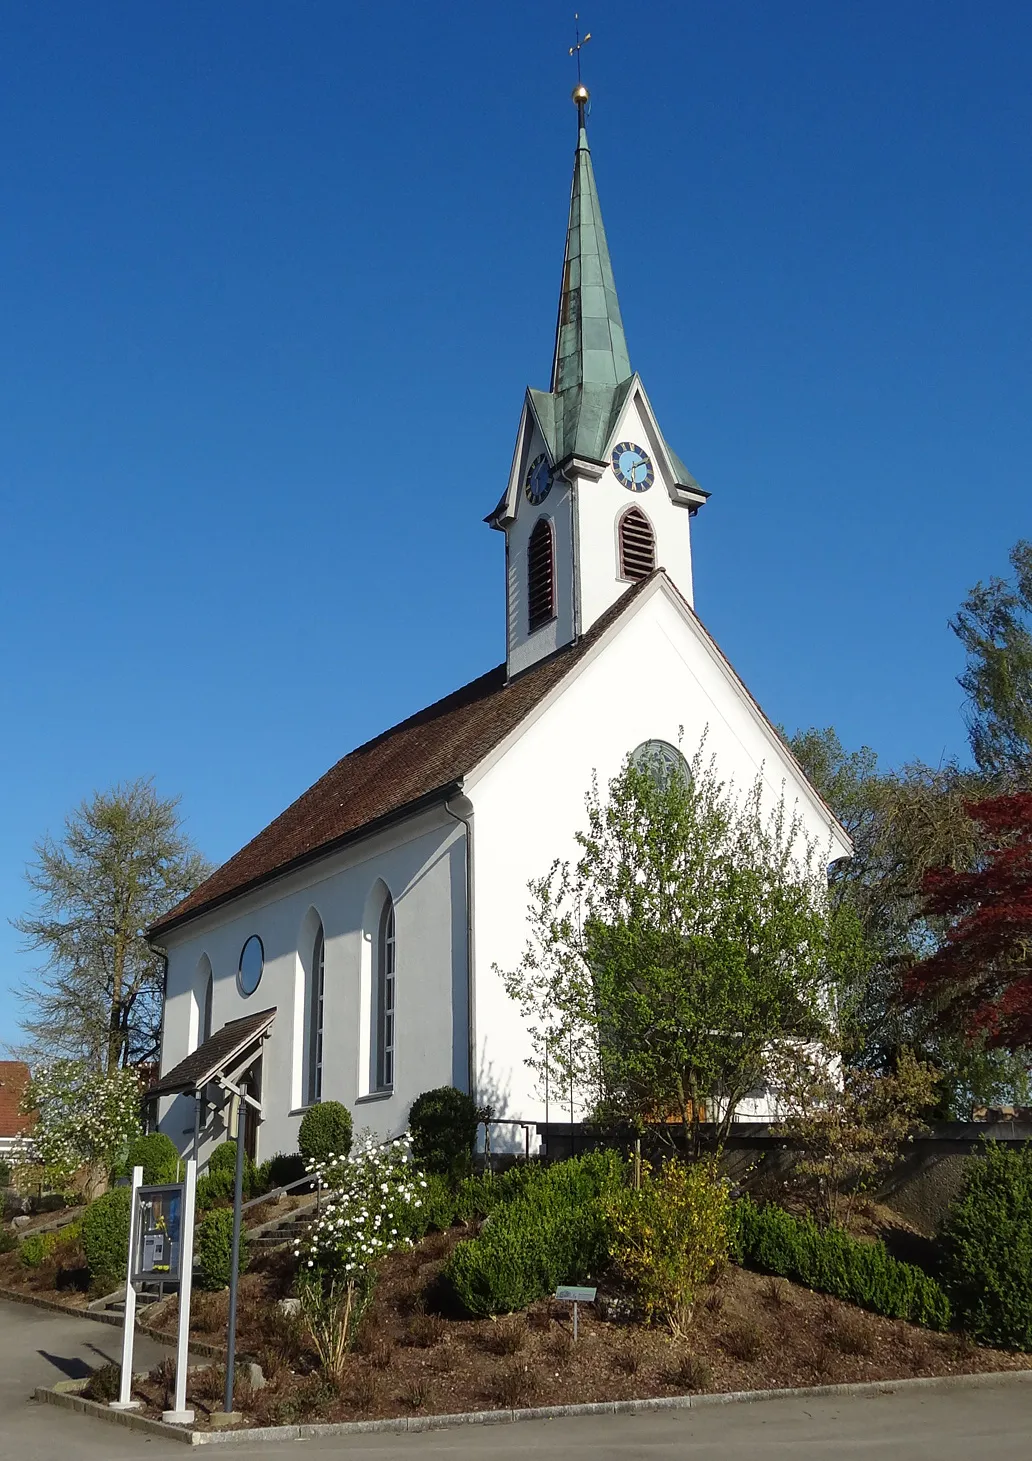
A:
252	962
662	761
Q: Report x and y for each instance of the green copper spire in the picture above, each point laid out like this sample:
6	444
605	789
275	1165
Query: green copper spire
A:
590	349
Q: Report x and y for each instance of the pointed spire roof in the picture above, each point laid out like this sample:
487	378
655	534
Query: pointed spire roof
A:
590	347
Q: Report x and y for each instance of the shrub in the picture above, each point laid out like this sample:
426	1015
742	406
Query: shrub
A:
325	1132
105	1234
222	1165
280	1171
214	1250
157	1155
331	1312
5	1174
475	1197
553	1232
8	1241
443	1125
439	1205
37	1248
829	1260
372	1207
668	1237
986	1241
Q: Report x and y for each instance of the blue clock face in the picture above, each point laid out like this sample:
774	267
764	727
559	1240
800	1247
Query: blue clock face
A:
632	466
538	482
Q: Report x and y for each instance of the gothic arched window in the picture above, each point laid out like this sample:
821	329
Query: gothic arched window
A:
637	545
541	574
316	991
386	965
209	991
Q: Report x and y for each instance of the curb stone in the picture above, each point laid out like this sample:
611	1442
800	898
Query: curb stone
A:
415	1423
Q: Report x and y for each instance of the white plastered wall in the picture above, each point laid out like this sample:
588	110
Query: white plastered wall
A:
655	674
524	648
599	507
422	862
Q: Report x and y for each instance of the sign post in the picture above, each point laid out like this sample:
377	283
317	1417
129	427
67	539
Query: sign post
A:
129	1321
179	1415
572	1294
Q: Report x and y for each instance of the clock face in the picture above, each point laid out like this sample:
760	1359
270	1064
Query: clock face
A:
632	466
538	481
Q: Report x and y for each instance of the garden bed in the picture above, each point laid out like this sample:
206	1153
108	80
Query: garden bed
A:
747	1332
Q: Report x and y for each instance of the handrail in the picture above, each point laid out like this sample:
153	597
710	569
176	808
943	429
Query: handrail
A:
314	1179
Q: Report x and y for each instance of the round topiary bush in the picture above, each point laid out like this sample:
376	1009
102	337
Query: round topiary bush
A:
157	1155
213	1249
222	1170
986	1243
105	1235
443	1123
325	1132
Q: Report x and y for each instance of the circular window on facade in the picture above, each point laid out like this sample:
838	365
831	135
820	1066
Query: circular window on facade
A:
252	962
662	761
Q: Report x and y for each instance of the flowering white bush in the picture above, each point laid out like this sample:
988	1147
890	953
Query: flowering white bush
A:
84	1117
371	1199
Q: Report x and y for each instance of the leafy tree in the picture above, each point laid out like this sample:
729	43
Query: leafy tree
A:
850	1124
122	863
904	823
692	933
994	624
981	975
85	1118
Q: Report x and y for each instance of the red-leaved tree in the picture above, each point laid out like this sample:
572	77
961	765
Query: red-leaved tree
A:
982	974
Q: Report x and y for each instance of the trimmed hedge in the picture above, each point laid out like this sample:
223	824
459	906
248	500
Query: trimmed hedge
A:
443	1123
280	1171
986	1243
213	1249
325	1132
156	1153
105	1234
552	1231
829	1260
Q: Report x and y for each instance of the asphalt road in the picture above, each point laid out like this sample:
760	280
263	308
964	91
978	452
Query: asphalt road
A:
985	1423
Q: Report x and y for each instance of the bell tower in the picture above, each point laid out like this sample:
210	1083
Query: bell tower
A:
596	498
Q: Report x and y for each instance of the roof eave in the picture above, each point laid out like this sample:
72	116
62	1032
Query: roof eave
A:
356	834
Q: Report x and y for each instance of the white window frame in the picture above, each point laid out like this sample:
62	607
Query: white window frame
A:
386	999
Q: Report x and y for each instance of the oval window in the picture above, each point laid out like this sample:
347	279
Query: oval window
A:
252	962
662	761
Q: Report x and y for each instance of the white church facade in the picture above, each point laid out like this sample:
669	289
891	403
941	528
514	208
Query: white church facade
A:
372	916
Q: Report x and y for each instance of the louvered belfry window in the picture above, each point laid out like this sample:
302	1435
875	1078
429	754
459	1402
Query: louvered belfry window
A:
637	545
541	574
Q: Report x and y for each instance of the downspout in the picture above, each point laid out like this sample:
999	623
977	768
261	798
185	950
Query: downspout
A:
462	811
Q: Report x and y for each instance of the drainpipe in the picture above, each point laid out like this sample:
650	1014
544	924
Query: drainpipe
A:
461	810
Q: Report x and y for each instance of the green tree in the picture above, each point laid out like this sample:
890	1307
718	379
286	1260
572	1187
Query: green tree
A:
994	624
123	861
692	933
903	823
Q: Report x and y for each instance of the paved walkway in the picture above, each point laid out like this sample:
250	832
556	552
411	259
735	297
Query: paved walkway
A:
990	1423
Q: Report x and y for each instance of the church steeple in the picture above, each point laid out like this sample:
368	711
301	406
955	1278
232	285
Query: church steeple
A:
590	347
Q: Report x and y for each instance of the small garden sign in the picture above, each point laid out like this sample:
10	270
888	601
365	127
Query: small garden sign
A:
574	1294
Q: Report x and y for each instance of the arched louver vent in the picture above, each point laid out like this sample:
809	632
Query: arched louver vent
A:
541	574
637	545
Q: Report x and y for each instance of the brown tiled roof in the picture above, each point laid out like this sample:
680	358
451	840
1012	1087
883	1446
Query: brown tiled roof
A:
215	1055
413	763
14	1077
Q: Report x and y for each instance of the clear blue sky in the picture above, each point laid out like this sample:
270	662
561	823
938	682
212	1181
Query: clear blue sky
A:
275	277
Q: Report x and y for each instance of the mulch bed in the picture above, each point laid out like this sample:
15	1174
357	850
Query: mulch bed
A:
748	1332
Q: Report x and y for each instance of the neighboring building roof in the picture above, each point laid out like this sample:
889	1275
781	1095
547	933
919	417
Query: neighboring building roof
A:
14	1077
414	763
215	1056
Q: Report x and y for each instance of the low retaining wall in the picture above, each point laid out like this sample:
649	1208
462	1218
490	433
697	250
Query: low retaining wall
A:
920	1187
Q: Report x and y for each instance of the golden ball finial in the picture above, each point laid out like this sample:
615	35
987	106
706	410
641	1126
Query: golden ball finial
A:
580	94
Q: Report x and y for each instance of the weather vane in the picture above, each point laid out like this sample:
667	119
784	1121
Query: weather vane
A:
580	91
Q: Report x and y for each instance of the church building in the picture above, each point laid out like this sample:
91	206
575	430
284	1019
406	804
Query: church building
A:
355	942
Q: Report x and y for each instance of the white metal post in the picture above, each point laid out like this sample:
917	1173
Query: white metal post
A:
180	1415
129	1324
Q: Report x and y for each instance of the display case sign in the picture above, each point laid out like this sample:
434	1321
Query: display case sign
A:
159	1233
